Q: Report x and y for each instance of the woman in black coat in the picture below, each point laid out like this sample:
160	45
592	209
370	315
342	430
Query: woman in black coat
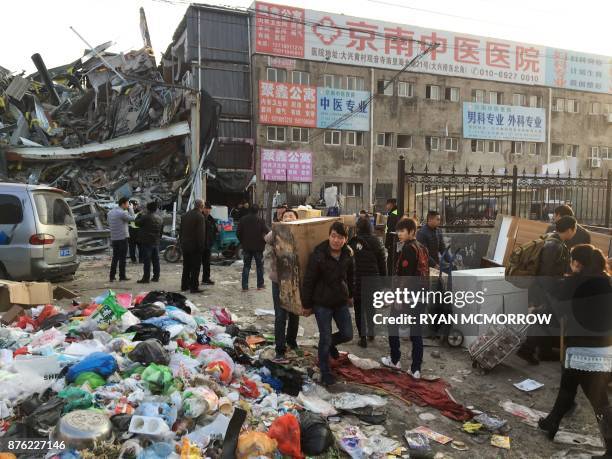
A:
588	353
369	262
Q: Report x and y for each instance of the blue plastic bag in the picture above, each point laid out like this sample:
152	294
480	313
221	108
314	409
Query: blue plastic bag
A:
99	362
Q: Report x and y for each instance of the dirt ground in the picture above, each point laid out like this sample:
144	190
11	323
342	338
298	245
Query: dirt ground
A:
482	392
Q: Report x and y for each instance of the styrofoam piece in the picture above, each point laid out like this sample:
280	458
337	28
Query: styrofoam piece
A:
148	425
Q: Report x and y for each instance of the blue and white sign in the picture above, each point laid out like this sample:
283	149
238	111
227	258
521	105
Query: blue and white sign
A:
343	109
503	122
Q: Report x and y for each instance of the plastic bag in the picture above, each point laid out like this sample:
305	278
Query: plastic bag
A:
255	444
317	405
353	441
181	316
351	401
220	370
145	331
286	431
15	387
46	416
109	309
148	310
316	436
48	338
158	378
183	366
199	400
85	347
222	316
210	355
76	399
158	409
150	351
248	388
364	364
99	362
189	451
128	320
215	429
157	451
93	379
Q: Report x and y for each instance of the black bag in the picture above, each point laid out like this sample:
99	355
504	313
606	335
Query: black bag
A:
168	298
149	331
150	351
316	436
148	311
46	416
291	379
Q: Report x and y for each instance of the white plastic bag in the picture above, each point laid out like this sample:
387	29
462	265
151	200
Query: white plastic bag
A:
183	366
351	401
127	320
84	348
364	364
316	405
181	316
48	338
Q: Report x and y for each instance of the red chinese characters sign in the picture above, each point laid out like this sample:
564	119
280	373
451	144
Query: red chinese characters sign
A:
282	165
287	104
279	30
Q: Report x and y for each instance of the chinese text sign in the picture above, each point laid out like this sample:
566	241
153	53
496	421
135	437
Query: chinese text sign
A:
287	104
343	109
503	122
283	165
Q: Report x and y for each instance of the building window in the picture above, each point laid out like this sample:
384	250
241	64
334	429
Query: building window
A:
384	139
478	95
277	75
494	146
404	141
355	83
478	146
276	134
354	190
299	134
557	149
535	101
572	150
298	77
519	100
405	89
451	94
343	82
572	106
354	138
432	143
594	152
534	148
496	98
432	92
595	108
337	185
385	87
558	105
451	144
299	192
606	153
607	108
517	148
331	137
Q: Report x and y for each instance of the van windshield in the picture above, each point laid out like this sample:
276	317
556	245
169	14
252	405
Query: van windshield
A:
52	209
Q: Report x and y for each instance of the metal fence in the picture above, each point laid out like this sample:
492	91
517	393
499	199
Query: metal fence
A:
473	199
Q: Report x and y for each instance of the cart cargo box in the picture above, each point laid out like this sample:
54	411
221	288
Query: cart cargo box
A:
294	242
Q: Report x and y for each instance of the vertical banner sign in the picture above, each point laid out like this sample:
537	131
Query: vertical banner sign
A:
287	104
283	165
343	109
503	122
314	35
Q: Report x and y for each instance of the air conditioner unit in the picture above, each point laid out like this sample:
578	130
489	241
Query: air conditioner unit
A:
595	163
609	116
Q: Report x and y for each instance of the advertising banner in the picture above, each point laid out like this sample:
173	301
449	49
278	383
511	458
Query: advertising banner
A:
343	109
503	122
336	38
286	166
287	104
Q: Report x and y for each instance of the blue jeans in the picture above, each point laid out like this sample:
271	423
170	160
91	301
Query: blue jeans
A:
281	317
150	255
248	258
327	340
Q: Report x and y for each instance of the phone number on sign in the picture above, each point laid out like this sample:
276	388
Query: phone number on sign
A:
25	446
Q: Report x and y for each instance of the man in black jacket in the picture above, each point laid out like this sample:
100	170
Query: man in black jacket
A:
369	262
251	232
193	240
431	237
390	238
150	229
211	235
327	290
582	236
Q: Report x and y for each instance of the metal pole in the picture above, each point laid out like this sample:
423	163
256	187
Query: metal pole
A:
401	184
608	197
372	142
514	189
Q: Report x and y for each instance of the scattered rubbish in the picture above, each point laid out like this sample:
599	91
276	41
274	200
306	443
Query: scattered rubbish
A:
528	415
427	417
528	385
435	354
364	364
570	438
264	312
316	435
491	423
500	441
316	405
418	444
459	445
350	401
472	427
432	435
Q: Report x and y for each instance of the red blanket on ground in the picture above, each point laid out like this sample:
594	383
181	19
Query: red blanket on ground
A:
419	391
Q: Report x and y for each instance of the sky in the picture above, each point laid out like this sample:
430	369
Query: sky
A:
44	26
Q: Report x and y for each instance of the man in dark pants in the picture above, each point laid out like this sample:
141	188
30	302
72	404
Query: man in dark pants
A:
193	240
118	219
390	238
151	227
582	236
251	232
133	243
327	291
431	237
211	235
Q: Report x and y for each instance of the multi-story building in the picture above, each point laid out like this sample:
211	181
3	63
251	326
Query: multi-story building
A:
336	101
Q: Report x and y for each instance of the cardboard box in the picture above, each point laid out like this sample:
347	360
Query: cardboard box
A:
308	213
24	293
293	244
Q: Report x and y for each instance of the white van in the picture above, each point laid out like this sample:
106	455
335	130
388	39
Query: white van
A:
38	235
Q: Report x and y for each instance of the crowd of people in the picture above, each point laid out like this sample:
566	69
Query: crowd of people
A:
568	269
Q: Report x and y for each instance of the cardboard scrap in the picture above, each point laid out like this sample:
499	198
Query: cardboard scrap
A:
432	435
24	293
500	441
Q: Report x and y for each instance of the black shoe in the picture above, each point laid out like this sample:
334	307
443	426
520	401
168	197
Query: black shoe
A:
111	280
363	342
370	338
333	353
293	346
208	282
134	260
549	426
142	281
184	289
124	278
155	279
328	380
528	357
195	290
